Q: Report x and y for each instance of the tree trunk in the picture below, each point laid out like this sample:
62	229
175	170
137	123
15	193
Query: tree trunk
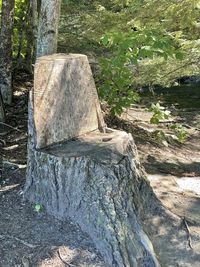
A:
6	50
2	111
48	27
35	16
96	181
31	34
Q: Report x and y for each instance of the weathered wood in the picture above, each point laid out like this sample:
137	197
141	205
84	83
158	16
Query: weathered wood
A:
95	181
48	27
65	99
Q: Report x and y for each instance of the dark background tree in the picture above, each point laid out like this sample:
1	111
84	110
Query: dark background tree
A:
6	31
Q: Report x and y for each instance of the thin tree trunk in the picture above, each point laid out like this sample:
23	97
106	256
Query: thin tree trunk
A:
6	50
2	111
48	27
31	34
34	14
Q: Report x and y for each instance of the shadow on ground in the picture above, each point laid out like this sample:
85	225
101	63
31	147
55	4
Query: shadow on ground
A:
37	238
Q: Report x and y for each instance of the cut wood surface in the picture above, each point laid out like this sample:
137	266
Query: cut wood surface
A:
65	99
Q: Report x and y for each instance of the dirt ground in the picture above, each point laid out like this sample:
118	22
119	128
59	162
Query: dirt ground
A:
30	238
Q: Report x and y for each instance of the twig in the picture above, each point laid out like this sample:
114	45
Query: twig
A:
11	127
19	240
64	261
20	166
3	142
188	233
180	67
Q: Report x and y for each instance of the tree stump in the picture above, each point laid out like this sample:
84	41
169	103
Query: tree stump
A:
94	179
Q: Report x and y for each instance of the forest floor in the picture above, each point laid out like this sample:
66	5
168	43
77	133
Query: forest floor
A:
30	238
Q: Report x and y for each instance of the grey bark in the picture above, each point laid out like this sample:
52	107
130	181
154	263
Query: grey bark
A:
95	179
96	182
6	50
31	33
34	15
48	27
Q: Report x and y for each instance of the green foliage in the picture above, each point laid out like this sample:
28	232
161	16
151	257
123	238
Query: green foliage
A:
116	88
84	22
38	207
159	113
20	24
21	31
127	50
180	132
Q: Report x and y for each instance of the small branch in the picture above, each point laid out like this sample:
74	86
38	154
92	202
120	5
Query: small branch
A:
3	142
3	123
188	233
19	240
14	164
181	67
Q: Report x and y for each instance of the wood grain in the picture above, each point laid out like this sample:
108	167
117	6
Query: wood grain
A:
65	99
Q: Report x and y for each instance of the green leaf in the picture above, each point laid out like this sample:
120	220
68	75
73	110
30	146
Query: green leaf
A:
105	40
154	120
179	55
38	207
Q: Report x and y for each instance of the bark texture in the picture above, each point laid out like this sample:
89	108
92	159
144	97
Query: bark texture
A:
31	34
48	27
2	111
34	23
6	50
95	181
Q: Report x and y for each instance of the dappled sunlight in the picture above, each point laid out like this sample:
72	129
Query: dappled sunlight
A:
178	194
13	147
83	195
190	183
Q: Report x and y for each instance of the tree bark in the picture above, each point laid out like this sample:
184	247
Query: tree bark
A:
35	16
48	27
2	111
94	178
6	50
31	33
95	181
76	170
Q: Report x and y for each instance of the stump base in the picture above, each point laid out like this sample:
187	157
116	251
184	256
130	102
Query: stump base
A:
96	181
